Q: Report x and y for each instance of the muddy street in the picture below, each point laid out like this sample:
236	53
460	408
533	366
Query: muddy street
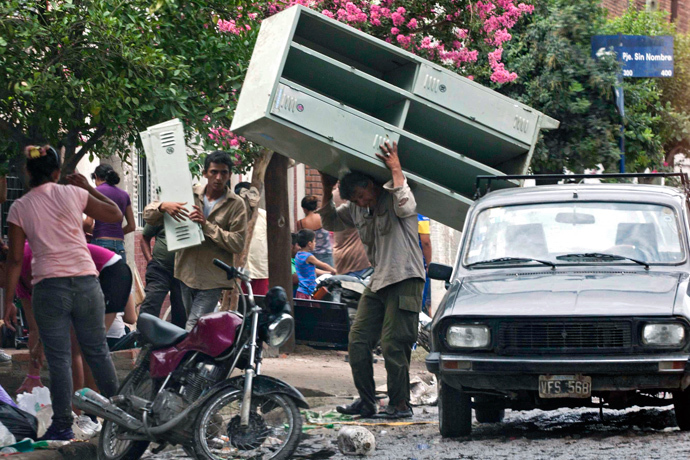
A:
567	434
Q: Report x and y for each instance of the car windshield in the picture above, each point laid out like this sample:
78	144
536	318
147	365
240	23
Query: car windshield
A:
572	233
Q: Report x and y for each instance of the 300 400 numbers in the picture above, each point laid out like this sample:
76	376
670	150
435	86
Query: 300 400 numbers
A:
627	73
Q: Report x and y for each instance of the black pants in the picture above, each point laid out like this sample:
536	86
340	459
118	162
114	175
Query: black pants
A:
160	281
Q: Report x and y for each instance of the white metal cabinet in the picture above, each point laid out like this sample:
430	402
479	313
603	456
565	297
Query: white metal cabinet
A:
326	94
166	154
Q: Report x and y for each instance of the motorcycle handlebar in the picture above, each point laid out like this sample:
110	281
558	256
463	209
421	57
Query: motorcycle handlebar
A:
231	271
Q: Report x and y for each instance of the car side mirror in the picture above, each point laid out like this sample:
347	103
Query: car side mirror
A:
440	272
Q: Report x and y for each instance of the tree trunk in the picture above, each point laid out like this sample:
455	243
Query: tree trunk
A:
231	298
278	220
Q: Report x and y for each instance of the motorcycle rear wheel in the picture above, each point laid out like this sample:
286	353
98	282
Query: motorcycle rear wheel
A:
273	433
109	446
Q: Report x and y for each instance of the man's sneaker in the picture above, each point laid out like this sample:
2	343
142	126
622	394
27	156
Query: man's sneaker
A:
88	427
4	357
53	434
391	413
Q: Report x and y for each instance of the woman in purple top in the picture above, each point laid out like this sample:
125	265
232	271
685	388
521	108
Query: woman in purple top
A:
111	235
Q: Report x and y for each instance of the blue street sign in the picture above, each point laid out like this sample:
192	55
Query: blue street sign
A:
640	56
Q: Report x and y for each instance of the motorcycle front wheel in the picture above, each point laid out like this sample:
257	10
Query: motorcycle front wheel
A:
110	446
273	432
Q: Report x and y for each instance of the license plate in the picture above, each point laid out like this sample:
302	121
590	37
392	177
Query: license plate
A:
565	386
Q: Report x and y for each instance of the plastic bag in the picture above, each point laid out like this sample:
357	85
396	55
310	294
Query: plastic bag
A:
34	401
45	418
21	424
6	438
6	398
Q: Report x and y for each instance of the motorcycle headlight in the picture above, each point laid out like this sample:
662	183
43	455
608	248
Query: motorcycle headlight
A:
468	336
663	334
280	330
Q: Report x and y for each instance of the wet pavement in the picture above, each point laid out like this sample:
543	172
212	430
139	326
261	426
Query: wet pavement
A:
567	434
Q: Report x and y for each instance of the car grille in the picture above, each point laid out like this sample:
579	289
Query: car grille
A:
518	337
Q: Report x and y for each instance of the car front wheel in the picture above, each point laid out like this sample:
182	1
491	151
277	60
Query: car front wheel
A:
454	412
681	404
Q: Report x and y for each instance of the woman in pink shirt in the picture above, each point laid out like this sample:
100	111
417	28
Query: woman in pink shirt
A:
65	291
115	279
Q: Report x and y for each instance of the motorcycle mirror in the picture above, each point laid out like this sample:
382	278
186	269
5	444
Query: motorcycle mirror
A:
276	300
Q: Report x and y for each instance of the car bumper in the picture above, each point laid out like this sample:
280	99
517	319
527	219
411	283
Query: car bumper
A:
609	373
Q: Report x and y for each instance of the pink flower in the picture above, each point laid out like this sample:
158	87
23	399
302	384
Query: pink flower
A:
385	12
665	163
470	77
228	26
398	19
361	17
412	24
376	22
328	13
252	16
234	142
400	10
395	31
403	40
246	26
462	33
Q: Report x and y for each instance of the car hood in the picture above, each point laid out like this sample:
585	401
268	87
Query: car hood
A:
566	294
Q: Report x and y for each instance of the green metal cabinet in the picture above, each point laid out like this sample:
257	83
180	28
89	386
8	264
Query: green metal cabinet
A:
327	95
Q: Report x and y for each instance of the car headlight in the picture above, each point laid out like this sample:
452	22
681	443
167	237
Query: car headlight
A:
663	334
468	336
280	330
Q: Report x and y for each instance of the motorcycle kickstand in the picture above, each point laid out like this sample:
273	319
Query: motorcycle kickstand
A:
160	448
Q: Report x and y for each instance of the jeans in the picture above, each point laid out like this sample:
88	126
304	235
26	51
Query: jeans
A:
198	303
159	281
59	303
117	246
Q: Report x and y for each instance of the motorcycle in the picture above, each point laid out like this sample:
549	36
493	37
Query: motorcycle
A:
181	391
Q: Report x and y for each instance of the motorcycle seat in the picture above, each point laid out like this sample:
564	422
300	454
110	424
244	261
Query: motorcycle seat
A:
159	333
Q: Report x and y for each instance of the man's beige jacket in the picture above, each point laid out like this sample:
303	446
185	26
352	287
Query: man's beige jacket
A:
224	233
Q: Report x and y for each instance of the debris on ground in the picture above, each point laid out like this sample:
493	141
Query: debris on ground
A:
422	393
356	440
314	447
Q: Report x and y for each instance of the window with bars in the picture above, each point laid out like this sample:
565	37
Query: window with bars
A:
143	188
14	192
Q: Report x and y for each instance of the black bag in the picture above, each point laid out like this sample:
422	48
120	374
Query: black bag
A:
21	424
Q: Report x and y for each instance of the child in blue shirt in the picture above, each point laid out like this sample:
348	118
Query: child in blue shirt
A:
307	265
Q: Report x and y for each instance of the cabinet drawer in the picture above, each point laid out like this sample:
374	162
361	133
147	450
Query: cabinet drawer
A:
330	121
476	103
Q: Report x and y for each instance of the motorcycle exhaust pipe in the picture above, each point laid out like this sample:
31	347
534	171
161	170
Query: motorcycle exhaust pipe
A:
93	403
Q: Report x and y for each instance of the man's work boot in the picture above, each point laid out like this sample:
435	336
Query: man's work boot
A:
393	413
358	408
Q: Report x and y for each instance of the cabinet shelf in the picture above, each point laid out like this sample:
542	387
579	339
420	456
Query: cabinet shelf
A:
461	135
367	56
347	85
